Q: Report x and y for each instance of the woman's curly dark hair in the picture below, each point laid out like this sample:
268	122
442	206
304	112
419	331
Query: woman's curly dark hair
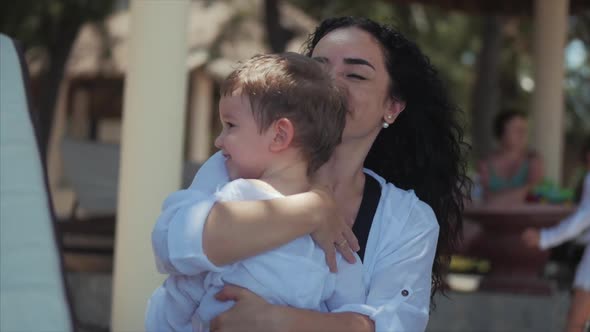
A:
423	149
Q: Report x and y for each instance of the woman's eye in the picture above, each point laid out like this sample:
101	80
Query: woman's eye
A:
356	76
229	124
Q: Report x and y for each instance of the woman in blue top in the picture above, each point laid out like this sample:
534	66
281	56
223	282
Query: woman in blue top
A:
511	171
576	226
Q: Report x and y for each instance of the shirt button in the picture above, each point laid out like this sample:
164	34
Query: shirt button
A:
405	292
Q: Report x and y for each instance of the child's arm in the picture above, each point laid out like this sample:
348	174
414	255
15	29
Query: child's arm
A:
172	306
208	235
232	231
183	215
238	230
177	235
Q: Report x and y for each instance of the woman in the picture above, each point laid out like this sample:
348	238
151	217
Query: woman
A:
401	126
510	172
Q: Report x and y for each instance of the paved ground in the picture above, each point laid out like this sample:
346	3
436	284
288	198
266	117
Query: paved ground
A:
475	312
460	312
91	298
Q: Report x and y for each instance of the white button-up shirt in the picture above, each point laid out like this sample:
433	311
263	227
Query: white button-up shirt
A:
573	226
397	266
294	274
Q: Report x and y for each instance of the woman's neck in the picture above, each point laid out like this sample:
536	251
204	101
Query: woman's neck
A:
512	154
344	170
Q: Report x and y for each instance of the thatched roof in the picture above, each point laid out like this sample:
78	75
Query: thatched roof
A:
219	34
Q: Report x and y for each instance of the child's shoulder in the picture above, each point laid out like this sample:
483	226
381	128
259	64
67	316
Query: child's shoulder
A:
247	189
211	175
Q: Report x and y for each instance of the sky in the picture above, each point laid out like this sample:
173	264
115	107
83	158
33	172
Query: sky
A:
575	54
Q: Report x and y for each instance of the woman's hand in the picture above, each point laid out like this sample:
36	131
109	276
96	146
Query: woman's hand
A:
333	232
249	313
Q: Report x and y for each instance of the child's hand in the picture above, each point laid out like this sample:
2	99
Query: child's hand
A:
332	232
531	237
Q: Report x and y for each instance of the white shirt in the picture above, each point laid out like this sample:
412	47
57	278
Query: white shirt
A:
294	274
398	260
571	227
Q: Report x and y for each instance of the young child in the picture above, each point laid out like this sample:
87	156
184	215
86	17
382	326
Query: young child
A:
576	225
282	117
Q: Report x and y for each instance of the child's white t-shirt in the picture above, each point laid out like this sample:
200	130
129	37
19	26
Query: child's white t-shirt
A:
294	274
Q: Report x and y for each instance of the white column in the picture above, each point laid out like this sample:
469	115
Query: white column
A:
550	29
201	100
152	145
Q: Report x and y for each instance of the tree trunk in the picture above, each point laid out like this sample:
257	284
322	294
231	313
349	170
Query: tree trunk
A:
49	87
486	92
277	35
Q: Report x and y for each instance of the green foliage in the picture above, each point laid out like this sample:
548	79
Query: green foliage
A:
450	39
551	192
40	22
51	25
577	79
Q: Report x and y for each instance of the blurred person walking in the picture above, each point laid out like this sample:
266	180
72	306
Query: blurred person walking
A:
576	225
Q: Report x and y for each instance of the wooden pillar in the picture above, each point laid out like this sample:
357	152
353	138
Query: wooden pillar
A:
550	30
152	145
201	100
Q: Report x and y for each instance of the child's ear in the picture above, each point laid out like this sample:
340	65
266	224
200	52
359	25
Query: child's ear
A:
283	132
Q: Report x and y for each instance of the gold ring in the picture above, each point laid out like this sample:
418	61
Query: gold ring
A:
341	243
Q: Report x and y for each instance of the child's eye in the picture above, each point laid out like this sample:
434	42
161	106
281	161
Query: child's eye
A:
229	124
356	76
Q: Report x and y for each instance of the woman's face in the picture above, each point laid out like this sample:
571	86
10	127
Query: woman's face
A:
515	134
355	58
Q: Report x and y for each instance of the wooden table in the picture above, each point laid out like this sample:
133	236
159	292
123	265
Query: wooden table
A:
515	267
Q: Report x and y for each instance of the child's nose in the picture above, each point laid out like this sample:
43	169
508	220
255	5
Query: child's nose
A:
218	142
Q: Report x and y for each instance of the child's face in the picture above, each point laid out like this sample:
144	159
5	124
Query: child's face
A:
245	149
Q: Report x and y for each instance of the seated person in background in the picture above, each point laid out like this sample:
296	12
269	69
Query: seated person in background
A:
576	225
282	118
510	172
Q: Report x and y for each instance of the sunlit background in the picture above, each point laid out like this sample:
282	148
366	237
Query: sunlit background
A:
78	54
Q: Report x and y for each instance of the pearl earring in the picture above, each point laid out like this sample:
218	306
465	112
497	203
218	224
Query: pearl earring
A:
385	124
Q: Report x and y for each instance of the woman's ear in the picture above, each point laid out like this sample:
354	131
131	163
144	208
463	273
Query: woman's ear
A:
283	132
394	110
